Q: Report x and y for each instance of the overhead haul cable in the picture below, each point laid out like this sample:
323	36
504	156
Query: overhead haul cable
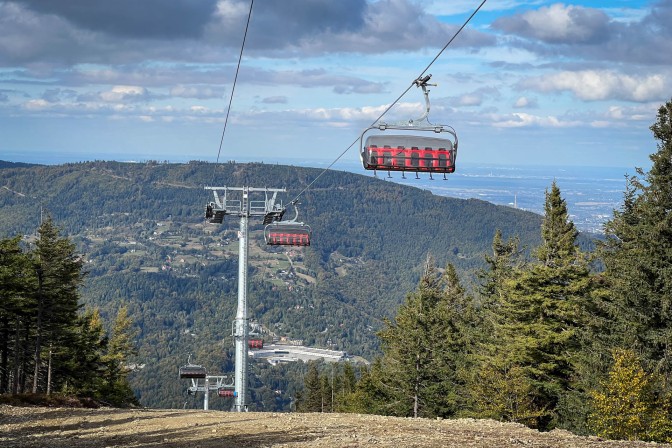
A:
414	83
235	79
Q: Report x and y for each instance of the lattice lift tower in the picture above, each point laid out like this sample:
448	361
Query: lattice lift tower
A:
237	201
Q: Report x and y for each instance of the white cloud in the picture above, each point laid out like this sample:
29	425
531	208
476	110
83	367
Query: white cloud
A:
639	112
520	120
615	112
557	23
525	102
120	94
36	104
232	11
596	85
199	92
469	100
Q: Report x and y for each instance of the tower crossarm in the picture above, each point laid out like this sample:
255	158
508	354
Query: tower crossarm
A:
245	201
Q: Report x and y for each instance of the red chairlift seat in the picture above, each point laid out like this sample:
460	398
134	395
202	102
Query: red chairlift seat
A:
408	150
408	153
287	234
255	343
226	393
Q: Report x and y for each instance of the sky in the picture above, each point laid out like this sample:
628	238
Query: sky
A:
527	82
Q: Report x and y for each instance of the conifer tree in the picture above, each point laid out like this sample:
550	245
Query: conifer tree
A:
16	304
85	355
638	259
326	392
628	404
45	344
58	270
349	378
417	375
635	311
345	387
506	256
311	397
497	386
119	349
539	312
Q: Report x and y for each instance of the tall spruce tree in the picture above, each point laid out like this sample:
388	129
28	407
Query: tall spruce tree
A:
638	259
506	256
539	314
83	362
58	269
417	374
16	305
496	386
311	396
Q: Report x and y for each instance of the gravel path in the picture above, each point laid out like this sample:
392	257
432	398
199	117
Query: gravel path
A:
28	427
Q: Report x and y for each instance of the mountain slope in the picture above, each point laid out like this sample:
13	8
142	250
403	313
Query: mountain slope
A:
140	228
84	428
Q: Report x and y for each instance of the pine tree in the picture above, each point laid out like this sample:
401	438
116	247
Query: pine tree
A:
59	274
86	355
539	313
326	393
418	373
370	395
506	256
497	385
311	397
558	233
349	378
461	332
16	304
638	259
120	348
345	384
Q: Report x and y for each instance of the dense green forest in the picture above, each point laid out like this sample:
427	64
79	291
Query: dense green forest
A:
546	340
46	345
146	246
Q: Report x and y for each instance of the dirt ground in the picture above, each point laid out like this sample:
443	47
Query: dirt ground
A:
107	428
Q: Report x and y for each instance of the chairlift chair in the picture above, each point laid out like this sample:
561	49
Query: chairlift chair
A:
288	233
192	371
226	392
408	150
255	343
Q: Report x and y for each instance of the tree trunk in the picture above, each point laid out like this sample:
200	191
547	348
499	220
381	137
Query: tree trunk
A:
4	357
416	386
49	373
17	357
25	356
38	335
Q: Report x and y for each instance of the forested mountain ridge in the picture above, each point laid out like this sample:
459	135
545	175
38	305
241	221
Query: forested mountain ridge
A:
4	164
140	229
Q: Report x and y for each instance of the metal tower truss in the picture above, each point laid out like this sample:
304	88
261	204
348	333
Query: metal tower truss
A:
244	202
236	201
210	383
